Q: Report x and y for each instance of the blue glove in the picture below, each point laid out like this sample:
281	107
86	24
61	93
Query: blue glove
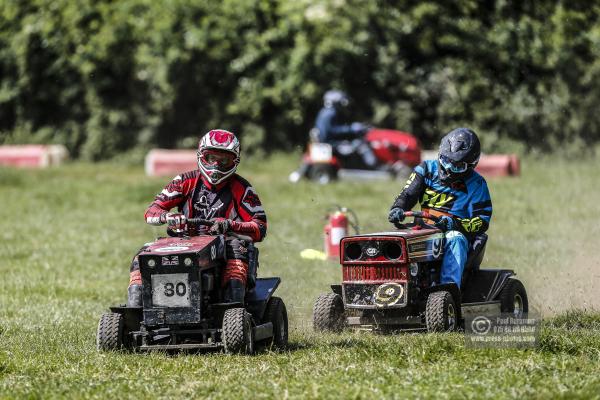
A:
445	223
358	127
396	215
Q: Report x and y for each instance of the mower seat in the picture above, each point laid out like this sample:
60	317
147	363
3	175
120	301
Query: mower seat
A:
476	253
252	267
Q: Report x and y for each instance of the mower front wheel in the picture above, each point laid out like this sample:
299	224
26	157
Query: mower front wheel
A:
440	312
238	336
328	313
110	334
322	173
513	298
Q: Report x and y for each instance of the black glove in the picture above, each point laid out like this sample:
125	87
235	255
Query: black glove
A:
220	227
396	215
445	223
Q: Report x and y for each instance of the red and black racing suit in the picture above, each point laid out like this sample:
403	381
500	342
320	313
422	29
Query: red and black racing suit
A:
195	197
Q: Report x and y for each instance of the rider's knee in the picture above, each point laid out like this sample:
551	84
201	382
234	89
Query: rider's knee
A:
456	238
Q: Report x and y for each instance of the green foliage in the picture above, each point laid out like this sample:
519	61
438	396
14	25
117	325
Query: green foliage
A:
105	76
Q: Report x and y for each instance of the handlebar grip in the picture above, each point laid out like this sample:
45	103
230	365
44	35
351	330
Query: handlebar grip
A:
199	221
421	214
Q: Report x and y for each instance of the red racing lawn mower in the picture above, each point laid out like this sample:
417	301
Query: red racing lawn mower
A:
389	281
183	306
396	152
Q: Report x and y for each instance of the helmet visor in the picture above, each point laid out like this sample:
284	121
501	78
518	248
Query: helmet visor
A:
219	160
455	167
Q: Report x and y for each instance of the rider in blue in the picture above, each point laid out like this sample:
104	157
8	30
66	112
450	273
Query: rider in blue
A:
450	188
331	127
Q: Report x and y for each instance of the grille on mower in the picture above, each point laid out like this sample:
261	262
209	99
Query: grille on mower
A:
374	273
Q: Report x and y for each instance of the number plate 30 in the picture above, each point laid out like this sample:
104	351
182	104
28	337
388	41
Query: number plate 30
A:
170	290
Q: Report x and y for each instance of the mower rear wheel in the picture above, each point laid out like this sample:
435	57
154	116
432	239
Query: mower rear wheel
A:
276	314
238	336
328	313
440	312
109	336
513	298
322	173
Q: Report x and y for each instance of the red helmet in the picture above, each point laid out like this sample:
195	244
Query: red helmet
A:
218	155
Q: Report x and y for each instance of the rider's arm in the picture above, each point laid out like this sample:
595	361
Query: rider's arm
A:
171	196
246	211
480	211
329	129
414	188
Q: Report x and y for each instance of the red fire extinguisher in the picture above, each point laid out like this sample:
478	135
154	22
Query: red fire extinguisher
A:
336	228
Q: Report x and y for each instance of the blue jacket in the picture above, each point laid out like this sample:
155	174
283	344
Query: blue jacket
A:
467	200
332	128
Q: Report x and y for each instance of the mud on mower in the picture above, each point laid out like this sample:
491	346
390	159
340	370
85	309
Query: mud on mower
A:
183	306
389	284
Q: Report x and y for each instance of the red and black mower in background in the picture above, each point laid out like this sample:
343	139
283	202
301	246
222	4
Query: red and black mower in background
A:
396	152
183	304
390	283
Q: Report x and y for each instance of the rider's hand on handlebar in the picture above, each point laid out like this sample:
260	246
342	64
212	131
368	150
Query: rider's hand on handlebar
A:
358	127
175	221
445	223
396	215
220	227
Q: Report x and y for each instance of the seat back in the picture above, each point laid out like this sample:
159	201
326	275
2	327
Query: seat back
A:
252	266
476	252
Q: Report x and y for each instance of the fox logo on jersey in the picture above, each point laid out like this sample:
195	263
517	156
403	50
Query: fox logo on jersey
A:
433	199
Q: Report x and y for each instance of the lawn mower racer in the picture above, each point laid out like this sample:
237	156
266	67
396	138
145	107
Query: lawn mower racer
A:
182	289
440	259
338	148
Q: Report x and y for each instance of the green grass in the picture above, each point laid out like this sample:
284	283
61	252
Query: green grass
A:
68	235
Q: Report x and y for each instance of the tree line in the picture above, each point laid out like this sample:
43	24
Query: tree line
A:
104	77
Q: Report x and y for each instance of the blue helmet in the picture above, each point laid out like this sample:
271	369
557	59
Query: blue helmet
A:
335	98
459	154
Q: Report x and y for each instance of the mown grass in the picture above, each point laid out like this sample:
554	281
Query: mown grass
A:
69	233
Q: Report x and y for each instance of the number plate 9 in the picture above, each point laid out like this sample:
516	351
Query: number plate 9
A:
170	290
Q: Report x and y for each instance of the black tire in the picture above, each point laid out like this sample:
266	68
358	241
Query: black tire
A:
322	173
328	313
440	312
110	332
276	313
238	336
513	298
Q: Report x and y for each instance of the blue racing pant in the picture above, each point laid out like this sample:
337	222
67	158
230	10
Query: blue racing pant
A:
456	250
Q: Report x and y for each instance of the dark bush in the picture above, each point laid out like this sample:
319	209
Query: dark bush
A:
103	77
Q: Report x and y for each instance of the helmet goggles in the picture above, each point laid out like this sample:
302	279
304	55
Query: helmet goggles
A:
217	160
455	167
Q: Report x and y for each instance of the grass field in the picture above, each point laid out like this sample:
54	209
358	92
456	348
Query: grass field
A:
68	235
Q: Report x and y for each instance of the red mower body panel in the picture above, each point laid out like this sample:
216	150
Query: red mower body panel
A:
172	245
390	146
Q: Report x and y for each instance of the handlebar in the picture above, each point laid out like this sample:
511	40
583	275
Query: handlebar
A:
199	221
207	222
421	214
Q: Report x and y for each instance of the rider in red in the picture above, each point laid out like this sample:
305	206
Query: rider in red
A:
216	193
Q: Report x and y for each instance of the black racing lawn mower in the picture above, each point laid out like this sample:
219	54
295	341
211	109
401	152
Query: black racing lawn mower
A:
389	282
183	306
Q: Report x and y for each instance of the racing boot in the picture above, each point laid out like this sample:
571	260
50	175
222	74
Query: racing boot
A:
235	292
134	296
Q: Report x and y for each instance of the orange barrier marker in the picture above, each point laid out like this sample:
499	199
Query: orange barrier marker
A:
32	155
491	165
161	162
